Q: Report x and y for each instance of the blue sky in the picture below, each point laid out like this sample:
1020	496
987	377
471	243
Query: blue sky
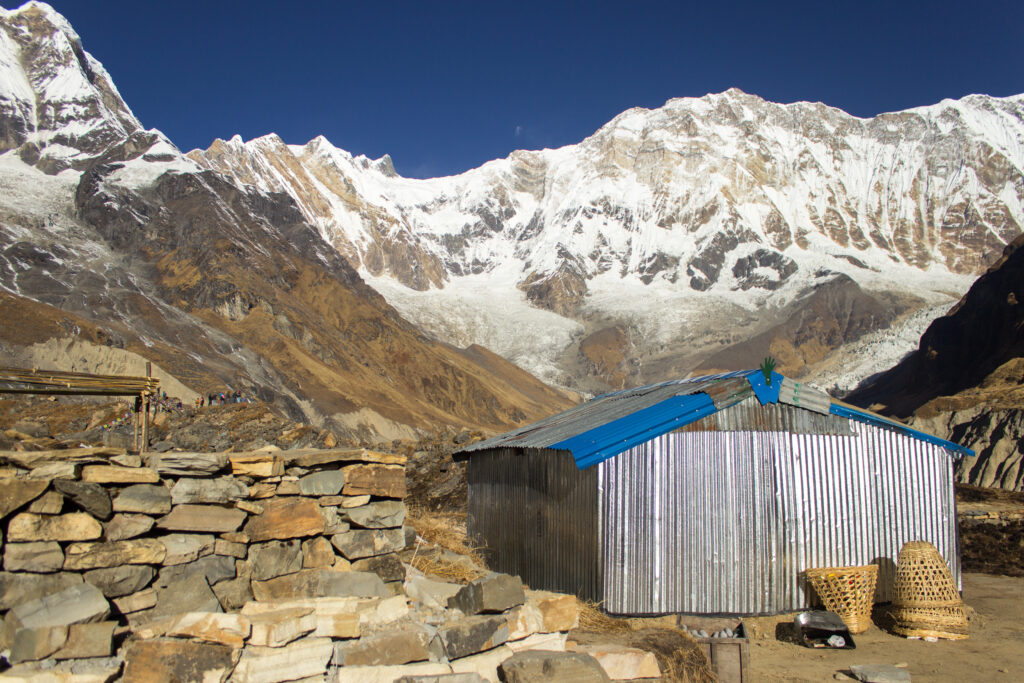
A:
445	86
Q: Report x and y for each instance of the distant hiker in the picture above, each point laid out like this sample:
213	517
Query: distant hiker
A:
202	402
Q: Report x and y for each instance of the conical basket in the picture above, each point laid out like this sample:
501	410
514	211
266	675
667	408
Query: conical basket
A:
926	601
847	591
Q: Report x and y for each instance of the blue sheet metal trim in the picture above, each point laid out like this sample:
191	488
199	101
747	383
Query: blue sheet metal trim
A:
618	436
860	416
766	393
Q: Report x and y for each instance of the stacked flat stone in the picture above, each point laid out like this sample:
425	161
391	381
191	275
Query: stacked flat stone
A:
260	567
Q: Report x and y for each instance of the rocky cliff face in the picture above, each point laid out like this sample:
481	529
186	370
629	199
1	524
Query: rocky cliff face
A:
966	379
693	229
108	232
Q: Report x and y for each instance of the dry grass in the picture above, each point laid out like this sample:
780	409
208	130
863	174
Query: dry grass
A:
679	656
457	572
445	530
594	620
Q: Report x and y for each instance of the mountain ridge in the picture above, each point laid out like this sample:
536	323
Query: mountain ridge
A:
721	203
143	251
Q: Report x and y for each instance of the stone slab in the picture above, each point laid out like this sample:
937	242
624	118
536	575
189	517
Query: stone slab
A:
278	628
317	552
472	635
431	594
211	568
115	474
384	481
32	644
485	664
191	594
177	464
79	604
182	548
326	483
534	666
318	583
202	519
388	567
880	673
381	514
311	458
146	498
275	558
18	588
410	643
84	556
92	498
169	659
136	602
304	657
387	674
489	594
286	518
230	549
74	526
618	661
88	641
14	493
359	543
50	503
116	582
123	526
259	465
222	491
40	557
212	627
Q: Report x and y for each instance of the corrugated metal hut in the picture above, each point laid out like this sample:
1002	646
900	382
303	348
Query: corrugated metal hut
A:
709	495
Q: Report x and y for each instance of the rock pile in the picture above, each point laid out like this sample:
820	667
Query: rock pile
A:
258	566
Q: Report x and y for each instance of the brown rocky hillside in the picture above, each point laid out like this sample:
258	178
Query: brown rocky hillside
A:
966	380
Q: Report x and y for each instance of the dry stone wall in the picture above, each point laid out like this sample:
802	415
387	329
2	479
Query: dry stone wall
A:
260	566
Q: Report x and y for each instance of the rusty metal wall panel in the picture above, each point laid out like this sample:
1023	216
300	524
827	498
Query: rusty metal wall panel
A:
536	515
727	521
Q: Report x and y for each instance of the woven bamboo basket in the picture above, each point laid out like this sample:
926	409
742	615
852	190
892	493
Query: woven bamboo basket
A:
936	622
923	579
926	601
847	591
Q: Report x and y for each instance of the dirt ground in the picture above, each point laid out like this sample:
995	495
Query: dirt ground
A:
993	652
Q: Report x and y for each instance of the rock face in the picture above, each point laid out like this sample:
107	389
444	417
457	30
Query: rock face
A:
966	380
226	285
672	234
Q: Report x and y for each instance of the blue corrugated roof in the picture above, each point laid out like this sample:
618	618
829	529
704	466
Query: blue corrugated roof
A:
613	423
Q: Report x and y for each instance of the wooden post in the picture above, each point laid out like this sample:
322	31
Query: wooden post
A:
136	426
145	412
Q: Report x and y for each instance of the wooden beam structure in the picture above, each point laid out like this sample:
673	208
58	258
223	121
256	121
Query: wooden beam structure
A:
56	382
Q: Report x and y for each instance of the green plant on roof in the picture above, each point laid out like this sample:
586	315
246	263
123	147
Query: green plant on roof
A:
767	366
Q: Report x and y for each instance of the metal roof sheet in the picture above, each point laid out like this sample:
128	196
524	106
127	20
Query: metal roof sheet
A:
613	423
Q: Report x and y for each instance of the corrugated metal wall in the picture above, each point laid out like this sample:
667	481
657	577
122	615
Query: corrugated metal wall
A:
727	521
537	515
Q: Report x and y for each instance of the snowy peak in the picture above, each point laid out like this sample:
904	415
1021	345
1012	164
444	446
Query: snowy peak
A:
59	106
724	212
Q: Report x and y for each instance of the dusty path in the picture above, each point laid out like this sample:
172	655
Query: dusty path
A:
994	651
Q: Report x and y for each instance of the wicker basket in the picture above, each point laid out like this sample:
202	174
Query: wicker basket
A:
926	601
936	622
923	579
847	591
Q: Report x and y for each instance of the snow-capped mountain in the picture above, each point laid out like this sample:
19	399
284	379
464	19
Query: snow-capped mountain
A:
707	232
116	249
